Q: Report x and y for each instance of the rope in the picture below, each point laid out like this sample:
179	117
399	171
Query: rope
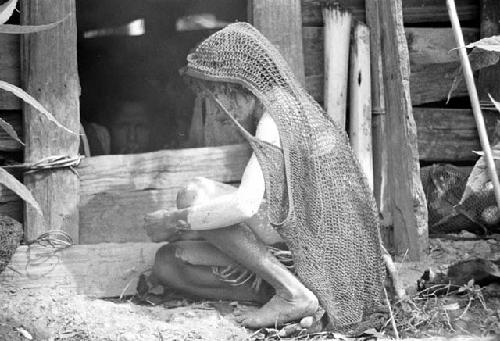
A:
54	240
51	162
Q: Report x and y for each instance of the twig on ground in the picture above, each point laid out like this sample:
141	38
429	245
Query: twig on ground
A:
393	321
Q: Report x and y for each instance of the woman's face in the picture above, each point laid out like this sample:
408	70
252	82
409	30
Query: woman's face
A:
240	102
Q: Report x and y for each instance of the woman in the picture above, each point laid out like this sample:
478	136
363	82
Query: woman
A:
318	200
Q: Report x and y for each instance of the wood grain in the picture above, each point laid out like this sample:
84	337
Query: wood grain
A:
414	11
360	114
10	70
103	270
117	191
409	207
49	73
449	135
432	63
280	21
490	26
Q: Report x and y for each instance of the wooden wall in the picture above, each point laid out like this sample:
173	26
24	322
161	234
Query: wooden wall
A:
445	134
10	111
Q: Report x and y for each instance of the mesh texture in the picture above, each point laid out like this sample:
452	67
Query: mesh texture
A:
319	200
11	233
444	187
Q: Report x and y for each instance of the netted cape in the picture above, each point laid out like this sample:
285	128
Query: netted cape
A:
318	199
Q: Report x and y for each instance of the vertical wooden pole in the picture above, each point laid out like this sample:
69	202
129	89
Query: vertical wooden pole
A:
409	206
49	73
280	21
380	180
337	36
490	25
360	124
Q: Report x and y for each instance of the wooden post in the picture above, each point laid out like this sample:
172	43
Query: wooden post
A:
360	124
337	28
49	73
408	202
380	180
490	25
280	21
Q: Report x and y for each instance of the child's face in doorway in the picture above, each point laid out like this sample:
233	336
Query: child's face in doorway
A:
130	131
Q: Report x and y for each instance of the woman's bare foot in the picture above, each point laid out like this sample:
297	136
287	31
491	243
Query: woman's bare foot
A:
279	311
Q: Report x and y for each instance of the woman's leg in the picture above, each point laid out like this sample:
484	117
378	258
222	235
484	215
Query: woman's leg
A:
292	299
174	268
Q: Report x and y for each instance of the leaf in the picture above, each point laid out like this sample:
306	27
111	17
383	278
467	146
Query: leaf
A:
488	44
33	102
24	29
479	177
6	10
497	104
479	59
9	181
10	130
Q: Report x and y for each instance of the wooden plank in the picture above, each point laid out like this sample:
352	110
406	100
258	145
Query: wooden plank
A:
337	37
10	204
280	21
117	191
409	207
10	70
104	270
449	135
490	26
49	73
360	101
380	183
8	144
414	11
432	64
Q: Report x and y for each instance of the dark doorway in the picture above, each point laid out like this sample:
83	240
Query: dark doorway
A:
129	53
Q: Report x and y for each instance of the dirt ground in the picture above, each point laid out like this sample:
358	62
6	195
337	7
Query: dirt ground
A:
50	315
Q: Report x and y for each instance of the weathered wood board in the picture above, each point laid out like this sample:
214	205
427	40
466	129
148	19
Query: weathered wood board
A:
408	203
10	69
50	75
280	22
431	62
448	135
10	204
117	191
414	11
490	26
104	270
7	143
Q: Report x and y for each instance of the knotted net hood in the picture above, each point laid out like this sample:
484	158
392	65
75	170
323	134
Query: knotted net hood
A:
319	200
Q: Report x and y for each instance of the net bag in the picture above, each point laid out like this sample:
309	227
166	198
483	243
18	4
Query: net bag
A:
11	233
444	186
319	200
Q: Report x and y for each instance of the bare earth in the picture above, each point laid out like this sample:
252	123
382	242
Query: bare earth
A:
49	315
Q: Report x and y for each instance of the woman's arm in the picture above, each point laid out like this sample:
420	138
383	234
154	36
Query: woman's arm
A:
239	206
228	209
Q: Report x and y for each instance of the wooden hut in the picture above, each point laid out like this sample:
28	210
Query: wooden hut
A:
102	202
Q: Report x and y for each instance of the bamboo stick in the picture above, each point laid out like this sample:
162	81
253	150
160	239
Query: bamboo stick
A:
337	28
360	107
474	98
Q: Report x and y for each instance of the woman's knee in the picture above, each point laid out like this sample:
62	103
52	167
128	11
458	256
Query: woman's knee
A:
167	267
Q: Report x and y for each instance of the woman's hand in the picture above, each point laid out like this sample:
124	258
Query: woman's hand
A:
164	225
